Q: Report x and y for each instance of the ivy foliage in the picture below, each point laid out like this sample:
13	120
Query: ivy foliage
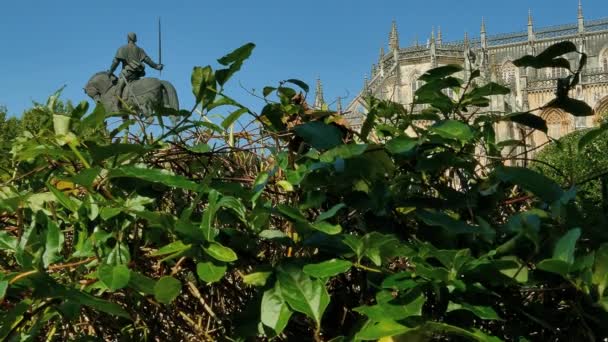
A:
296	227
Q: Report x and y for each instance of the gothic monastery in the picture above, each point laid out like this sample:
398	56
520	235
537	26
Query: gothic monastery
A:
395	75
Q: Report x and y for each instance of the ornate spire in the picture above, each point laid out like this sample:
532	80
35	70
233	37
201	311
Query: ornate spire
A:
433	49
381	54
319	101
339	105
581	18
466	39
393	40
439	38
366	84
484	40
530	26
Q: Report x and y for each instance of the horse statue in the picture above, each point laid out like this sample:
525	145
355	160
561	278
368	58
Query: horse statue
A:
145	94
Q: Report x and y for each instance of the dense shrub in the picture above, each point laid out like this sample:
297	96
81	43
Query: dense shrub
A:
583	167
296	227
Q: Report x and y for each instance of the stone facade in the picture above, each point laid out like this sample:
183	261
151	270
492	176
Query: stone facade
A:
395	75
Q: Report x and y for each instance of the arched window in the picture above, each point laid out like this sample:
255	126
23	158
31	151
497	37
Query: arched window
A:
604	59
415	84
509	72
555	124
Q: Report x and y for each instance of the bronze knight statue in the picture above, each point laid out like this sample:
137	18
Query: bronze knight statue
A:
142	93
132	58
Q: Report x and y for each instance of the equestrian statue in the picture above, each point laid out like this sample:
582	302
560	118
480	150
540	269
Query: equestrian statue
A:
131	88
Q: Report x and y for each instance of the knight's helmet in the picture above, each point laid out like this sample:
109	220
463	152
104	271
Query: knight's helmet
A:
132	37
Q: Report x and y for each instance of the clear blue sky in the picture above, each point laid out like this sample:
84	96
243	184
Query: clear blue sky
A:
48	44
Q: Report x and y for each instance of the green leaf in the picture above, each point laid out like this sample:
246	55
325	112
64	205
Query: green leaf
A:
258	185
52	289
490	89
114	277
548	58
514	268
369	123
79	110
401	145
451	225
203	85
156	176
221	253
228	121
96	118
299	83
53	245
327	268
209	232
107	213
440	72
141	283
355	243
452	129
174	247
200	148
61	124
600	268
274	113
293	213
303	294
557	49
444	329
274	310
483	312
257	278
167	289
564	249
572	106
7	241
10	318
86	177
285	185
63	199
527	119
330	213
3	288
100	153
319	135
400	281
210	272
268	90
591	135
373	330
327	228
394	311
235	59
238	55
235	205
532	181
554	266
343	151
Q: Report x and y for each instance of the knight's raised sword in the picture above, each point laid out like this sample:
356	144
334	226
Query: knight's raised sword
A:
160	50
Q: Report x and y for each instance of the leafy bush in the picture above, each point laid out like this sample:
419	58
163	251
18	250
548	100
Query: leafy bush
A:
573	162
296	227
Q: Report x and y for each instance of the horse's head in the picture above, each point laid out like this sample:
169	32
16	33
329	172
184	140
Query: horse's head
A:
99	84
